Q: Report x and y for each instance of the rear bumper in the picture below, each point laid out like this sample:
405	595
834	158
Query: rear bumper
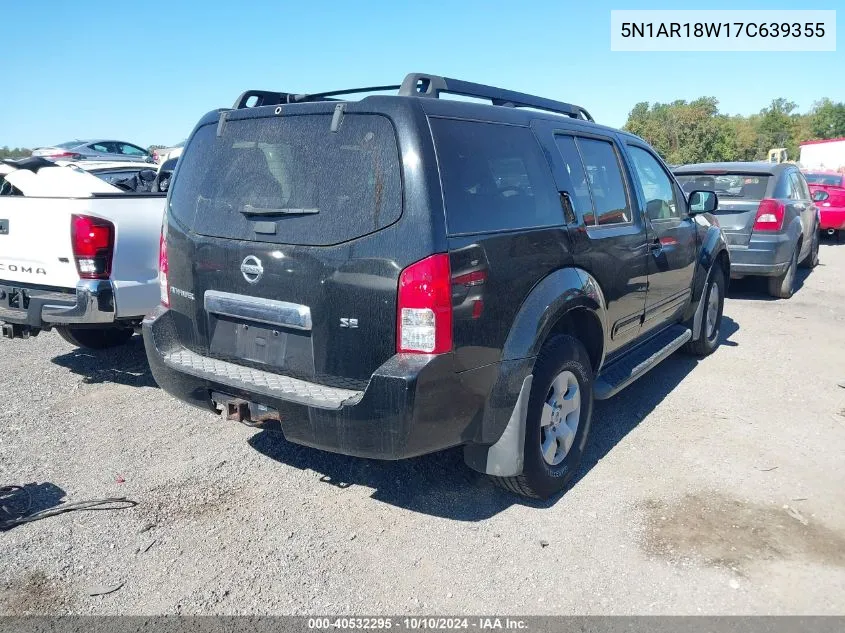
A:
412	405
766	255
92	303
832	219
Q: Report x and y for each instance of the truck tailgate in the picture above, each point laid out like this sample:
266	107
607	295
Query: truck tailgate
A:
35	246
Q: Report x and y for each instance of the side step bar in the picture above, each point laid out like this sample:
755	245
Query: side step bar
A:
621	373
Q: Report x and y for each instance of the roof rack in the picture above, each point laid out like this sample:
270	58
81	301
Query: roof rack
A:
423	85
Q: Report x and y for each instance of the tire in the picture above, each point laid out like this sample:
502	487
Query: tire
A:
812	258
783	286
562	356
95	338
711	322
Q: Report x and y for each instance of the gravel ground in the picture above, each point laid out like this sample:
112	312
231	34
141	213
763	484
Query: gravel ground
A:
708	487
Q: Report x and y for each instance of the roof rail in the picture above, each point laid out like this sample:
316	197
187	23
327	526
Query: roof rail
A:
423	85
265	97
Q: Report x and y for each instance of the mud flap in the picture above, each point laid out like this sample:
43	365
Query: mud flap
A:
702	300
505	457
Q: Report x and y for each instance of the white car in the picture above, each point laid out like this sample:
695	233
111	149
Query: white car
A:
76	253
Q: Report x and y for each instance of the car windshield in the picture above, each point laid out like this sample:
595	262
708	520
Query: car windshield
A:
824	179
744	186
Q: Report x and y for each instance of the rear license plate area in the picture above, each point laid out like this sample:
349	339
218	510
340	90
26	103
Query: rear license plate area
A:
271	345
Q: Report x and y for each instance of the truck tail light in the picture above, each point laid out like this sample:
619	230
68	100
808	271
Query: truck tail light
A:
92	240
164	284
769	215
424	310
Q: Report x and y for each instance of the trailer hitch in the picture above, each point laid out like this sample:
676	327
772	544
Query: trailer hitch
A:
243	411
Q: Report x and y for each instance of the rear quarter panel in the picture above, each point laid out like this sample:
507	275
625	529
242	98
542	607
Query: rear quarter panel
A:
137	221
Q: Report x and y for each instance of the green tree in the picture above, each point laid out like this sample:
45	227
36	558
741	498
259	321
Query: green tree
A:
14	153
684	132
827	120
777	126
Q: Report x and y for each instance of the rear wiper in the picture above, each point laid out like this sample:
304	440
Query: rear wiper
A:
251	210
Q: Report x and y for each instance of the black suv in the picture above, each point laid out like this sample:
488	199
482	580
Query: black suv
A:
402	274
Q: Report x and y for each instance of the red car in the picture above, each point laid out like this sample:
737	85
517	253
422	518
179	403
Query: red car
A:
828	189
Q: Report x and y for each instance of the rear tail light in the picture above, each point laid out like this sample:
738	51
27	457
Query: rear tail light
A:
93	246
164	284
64	156
424	310
769	215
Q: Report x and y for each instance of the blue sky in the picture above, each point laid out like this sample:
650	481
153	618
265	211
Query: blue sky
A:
146	71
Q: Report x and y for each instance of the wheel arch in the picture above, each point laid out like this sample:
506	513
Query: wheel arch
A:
569	300
714	253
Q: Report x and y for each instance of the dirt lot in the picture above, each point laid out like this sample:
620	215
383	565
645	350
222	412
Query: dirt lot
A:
709	487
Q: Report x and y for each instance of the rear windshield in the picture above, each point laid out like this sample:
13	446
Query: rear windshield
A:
291	178
69	144
834	180
743	186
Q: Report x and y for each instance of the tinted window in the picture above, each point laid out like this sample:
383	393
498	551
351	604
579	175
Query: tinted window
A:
656	185
316	186
494	177
802	185
579	189
727	186
605	178
100	147
793	187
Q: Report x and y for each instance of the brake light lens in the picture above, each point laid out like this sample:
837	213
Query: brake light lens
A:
163	283
64	156
770	215
424	311
92	240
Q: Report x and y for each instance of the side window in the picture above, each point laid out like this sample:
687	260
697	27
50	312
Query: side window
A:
131	150
656	185
793	188
581	199
605	179
802	187
100	147
494	177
